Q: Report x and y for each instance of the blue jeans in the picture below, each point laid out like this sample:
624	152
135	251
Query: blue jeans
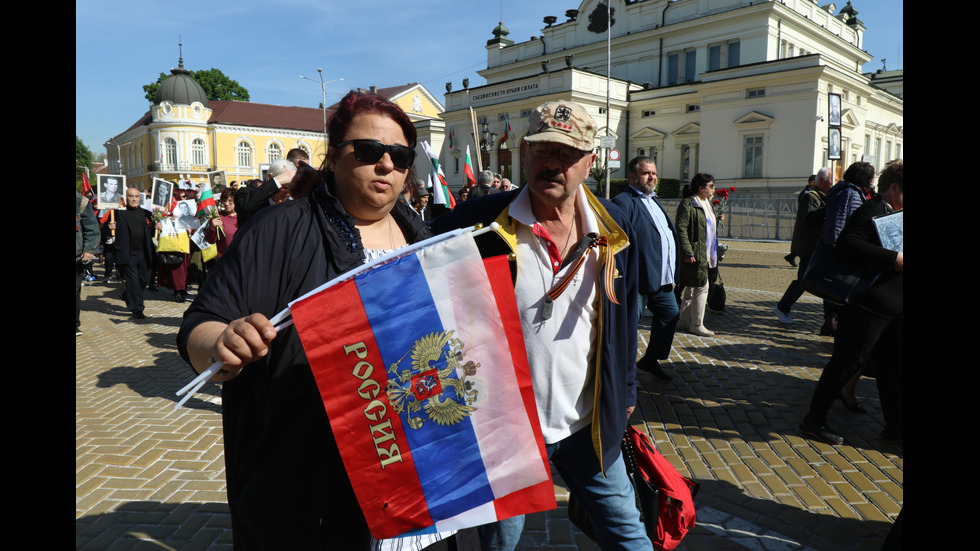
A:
663	306
608	500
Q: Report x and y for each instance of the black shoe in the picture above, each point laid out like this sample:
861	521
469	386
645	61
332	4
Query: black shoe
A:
651	365
791	259
139	315
178	297
823	433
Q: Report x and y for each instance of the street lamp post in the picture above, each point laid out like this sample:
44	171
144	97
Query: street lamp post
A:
323	101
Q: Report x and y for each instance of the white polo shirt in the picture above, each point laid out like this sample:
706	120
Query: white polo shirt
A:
560	349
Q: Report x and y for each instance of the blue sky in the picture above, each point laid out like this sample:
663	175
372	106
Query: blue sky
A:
120	45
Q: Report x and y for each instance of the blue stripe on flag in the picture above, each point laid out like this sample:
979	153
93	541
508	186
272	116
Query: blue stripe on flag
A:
401	311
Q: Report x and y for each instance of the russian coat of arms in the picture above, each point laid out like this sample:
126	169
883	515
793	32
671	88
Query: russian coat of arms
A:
435	379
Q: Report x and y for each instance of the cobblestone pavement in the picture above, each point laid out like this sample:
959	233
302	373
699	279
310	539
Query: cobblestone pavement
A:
150	477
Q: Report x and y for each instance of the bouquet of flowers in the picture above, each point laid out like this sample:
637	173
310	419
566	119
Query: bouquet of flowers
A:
720	202
159	214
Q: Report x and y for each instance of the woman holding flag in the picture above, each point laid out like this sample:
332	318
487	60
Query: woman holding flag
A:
287	487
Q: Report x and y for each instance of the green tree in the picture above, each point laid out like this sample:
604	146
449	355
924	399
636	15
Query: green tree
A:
83	162
217	86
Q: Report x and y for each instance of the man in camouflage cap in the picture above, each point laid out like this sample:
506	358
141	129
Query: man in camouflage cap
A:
578	318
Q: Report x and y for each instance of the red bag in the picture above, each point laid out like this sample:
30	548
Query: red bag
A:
665	497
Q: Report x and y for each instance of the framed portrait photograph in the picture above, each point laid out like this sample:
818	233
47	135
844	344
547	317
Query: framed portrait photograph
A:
833	109
217	178
833	144
185	215
145	203
161	194
111	191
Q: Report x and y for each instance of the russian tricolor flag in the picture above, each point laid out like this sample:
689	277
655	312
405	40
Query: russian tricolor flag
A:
423	373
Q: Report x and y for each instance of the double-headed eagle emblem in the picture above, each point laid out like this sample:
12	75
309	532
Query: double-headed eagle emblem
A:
435	379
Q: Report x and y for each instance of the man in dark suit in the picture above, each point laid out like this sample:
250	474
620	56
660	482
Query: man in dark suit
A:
657	244
134	250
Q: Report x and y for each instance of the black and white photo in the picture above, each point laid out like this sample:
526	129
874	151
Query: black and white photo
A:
833	144
184	215
111	188
217	178
162	191
833	108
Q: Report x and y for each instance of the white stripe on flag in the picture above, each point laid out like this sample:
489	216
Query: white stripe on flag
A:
503	430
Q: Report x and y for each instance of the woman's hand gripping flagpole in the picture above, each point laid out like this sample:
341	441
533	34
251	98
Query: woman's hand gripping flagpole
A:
280	321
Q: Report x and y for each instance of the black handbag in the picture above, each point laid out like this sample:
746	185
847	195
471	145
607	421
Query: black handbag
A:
170	259
717	297
834	279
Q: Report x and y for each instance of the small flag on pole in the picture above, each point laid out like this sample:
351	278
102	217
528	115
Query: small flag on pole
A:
468	169
205	203
447	198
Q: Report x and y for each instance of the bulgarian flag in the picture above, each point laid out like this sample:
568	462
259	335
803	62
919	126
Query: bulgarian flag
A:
441	191
435	419
452	137
205	203
468	169
506	128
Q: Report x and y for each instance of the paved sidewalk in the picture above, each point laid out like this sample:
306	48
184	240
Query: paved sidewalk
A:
150	477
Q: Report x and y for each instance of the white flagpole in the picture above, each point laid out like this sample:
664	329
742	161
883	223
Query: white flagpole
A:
192	387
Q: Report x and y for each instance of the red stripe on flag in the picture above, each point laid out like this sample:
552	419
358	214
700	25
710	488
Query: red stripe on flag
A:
541	496
351	376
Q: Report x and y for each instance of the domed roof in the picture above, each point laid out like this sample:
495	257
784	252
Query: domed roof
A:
180	88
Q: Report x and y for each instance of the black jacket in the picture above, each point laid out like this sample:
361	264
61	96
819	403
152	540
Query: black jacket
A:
281	461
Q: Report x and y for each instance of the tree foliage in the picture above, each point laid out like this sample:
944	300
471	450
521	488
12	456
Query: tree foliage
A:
217	86
83	161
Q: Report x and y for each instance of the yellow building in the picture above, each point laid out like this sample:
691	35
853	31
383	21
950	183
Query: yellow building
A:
185	136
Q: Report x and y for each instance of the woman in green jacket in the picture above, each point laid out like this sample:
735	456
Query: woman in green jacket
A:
697	236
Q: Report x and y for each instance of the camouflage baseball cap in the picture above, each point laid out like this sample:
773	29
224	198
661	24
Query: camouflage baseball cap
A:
563	122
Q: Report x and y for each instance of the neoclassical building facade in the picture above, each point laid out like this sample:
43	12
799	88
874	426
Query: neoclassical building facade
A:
736	88
184	136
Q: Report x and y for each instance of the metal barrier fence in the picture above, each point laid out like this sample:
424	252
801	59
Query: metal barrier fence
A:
753	218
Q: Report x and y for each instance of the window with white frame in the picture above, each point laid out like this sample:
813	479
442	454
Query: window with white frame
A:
273	152
243	152
197	151
752	157
170	151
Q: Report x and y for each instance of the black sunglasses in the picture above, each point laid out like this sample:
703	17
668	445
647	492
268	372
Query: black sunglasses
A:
371	151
